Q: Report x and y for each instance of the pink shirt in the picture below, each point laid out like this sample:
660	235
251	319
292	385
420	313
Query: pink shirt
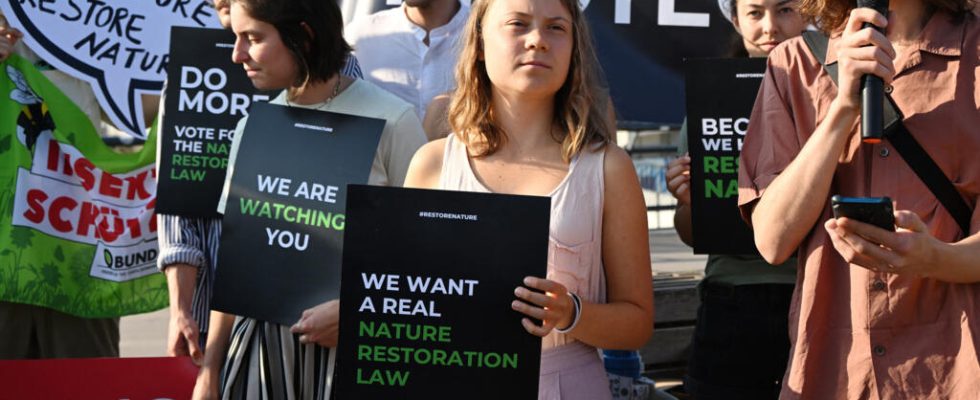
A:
858	334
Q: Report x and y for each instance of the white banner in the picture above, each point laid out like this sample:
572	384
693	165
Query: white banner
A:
119	47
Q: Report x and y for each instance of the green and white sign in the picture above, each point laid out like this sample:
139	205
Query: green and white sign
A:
77	222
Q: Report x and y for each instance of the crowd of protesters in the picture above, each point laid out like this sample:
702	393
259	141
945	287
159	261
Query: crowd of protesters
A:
506	96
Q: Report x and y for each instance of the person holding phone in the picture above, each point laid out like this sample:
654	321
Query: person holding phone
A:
528	120
876	314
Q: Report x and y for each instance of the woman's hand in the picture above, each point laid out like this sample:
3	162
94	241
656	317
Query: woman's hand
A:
319	324
182	337
554	308
206	386
679	179
862	52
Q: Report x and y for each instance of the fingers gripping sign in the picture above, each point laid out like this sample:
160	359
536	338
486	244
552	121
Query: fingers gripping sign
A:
550	304
319	324
678	177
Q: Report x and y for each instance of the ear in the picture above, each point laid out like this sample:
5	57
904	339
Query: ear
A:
309	33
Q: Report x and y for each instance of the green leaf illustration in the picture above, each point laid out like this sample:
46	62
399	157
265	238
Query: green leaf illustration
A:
108	257
59	254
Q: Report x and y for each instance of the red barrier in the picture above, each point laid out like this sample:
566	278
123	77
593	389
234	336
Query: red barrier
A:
98	378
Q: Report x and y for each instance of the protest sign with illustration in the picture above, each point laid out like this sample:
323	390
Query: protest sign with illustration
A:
119	47
77	223
284	220
206	97
428	279
720	95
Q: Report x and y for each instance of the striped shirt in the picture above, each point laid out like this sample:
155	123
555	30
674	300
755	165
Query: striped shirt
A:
194	241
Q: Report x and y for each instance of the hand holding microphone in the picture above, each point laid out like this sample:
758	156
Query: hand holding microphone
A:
872	87
865	64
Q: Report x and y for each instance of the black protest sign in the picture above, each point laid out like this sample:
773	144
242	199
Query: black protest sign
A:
284	221
428	279
206	96
720	95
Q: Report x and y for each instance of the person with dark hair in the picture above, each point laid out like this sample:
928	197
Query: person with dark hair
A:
189	253
411	50
877	314
530	118
740	345
298	46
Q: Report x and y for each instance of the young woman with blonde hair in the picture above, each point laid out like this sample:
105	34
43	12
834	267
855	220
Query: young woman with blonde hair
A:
527	119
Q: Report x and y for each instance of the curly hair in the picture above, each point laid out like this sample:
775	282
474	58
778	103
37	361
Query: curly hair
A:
580	104
830	15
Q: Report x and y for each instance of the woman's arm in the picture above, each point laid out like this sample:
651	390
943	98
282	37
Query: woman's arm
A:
180	257
791	204
209	376
626	320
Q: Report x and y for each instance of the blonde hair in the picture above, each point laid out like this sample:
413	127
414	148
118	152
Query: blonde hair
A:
580	104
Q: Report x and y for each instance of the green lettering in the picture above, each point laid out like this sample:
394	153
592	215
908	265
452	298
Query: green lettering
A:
510	360
492	360
363	352
248	206
710	165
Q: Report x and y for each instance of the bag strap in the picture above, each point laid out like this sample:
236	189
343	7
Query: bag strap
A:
911	151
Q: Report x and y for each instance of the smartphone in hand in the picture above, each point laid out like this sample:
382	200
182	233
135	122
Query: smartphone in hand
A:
876	211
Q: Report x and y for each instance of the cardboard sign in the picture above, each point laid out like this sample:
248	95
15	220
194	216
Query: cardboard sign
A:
720	95
117	46
428	280
206	96
98	378
284	222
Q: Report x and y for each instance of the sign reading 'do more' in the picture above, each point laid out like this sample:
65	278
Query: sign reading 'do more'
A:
206	97
119	47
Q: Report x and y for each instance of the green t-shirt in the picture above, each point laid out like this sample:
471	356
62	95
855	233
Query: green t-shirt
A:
739	270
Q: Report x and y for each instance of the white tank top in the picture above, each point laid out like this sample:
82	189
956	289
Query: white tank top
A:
575	234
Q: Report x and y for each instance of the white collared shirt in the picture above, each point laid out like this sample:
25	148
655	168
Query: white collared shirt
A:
392	54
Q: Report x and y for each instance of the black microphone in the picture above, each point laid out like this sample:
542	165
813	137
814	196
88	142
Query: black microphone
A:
872	88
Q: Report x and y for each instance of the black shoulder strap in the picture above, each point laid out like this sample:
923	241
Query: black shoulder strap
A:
911	151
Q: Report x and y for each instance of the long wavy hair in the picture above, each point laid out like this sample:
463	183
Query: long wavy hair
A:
830	15
580	104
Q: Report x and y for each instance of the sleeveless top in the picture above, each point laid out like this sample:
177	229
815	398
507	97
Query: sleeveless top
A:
575	233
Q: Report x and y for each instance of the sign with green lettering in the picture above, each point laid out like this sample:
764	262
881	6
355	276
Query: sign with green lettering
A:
428	279
720	95
206	96
283	225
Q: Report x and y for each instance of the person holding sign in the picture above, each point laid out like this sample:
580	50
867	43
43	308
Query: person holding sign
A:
527	121
877	313
189	251
297	46
741	345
